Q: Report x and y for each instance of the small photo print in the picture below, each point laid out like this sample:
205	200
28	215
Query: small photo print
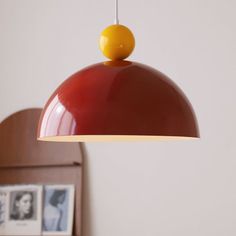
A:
3	207
24	211
58	210
23	205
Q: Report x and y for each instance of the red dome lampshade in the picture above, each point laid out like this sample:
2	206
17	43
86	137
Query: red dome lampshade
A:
117	100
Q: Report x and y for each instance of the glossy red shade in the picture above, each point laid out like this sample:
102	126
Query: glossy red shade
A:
117	98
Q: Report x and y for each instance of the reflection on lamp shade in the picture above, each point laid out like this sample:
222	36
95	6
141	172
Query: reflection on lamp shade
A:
117	100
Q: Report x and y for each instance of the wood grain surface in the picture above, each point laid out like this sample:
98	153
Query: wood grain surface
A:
24	160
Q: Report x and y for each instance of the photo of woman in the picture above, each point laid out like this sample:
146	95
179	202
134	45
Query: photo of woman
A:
22	205
58	209
53	214
22	210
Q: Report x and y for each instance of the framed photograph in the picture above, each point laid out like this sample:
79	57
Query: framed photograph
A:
24	211
58	210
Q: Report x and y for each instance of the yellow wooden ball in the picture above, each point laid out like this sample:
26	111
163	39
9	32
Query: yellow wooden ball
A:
116	42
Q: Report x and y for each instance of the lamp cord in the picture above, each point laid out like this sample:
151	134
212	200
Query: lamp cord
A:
116	12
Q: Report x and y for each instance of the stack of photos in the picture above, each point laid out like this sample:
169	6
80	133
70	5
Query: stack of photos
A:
36	209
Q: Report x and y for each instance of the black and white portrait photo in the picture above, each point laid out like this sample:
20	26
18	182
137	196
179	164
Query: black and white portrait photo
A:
23	205
58	209
24	210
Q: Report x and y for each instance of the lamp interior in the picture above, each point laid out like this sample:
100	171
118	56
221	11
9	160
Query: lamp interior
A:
101	138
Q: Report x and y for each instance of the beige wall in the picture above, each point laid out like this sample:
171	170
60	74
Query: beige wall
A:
152	188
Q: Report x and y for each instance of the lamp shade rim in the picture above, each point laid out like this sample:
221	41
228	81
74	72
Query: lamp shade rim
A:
111	138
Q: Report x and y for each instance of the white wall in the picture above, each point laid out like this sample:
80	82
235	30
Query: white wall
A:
152	188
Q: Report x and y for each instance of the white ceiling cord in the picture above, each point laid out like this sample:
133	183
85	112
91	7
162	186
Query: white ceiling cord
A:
116	12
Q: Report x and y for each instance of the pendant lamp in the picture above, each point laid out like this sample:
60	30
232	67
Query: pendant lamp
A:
117	100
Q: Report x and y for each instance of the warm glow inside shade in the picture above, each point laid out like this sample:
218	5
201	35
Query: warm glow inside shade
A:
107	138
117	100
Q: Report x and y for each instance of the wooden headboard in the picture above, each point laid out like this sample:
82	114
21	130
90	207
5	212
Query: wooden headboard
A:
24	160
